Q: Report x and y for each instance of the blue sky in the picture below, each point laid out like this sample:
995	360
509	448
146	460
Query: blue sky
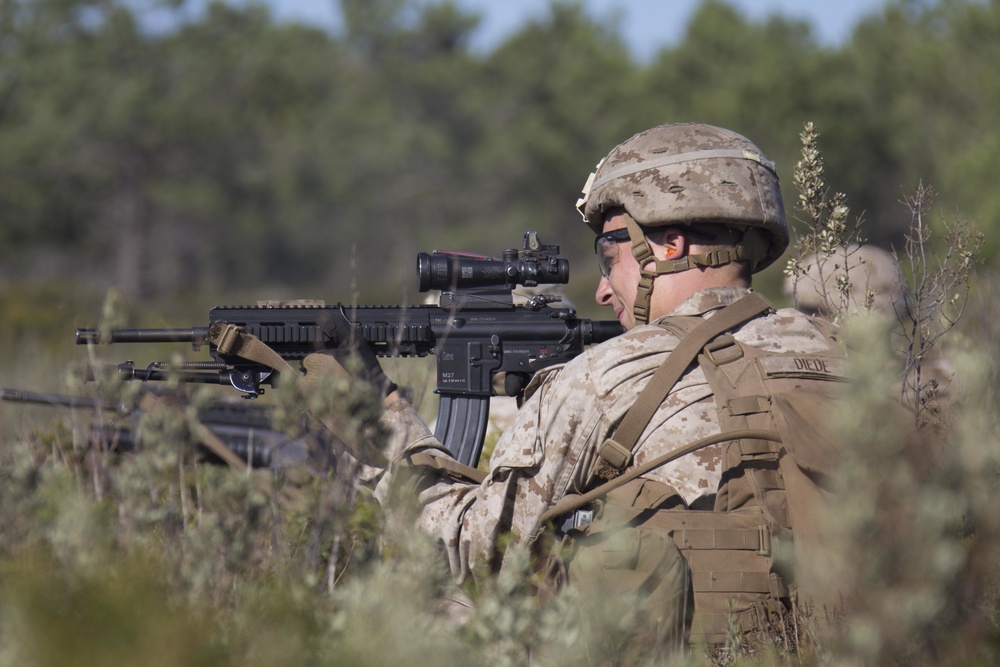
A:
649	24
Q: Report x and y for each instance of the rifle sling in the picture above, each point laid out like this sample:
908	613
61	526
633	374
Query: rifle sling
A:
231	340
616	452
574	502
444	464
210	440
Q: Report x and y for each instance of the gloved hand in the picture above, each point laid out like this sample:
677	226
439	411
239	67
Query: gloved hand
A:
354	353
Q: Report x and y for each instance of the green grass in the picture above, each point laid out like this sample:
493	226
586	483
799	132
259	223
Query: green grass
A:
155	558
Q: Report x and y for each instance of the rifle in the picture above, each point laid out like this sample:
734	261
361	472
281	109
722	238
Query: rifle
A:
245	429
476	332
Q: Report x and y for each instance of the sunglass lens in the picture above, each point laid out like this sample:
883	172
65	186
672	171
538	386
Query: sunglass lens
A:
607	254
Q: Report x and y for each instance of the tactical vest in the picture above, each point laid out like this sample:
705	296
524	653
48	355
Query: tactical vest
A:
777	462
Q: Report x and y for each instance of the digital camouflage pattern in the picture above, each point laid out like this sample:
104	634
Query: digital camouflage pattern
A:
550	448
690	173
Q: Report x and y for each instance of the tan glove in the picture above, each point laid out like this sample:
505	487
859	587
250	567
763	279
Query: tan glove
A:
353	352
317	366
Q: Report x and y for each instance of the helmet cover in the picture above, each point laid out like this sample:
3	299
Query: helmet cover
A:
690	174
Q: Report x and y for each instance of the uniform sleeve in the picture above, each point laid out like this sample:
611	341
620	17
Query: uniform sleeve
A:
530	469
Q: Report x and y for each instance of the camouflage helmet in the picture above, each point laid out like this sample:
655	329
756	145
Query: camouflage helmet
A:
691	174
855	279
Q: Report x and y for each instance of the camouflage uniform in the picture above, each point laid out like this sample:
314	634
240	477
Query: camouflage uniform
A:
550	448
703	523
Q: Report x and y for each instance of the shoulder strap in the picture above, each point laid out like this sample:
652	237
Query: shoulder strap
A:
574	502
616	452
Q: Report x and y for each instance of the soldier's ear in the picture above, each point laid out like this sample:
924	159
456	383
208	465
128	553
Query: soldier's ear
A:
670	243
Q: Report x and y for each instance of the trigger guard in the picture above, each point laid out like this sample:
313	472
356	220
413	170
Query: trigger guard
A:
514	383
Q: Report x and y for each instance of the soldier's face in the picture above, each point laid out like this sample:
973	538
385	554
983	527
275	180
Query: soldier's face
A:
618	289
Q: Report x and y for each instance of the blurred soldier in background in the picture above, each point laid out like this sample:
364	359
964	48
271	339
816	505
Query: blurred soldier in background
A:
854	280
866	281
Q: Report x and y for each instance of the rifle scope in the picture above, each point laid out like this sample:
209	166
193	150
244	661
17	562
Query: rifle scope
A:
450	271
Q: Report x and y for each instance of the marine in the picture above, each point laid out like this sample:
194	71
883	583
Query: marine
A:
671	424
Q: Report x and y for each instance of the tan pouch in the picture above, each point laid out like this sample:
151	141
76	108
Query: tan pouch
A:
727	574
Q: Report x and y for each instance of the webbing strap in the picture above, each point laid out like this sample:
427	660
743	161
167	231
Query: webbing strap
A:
737	539
571	503
714	628
757	539
731	582
212	442
215	445
617	450
231	340
644	254
443	464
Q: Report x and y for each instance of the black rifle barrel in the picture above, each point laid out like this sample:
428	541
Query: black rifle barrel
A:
22	396
195	335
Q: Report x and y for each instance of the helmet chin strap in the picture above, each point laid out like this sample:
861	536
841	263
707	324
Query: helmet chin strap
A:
644	255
